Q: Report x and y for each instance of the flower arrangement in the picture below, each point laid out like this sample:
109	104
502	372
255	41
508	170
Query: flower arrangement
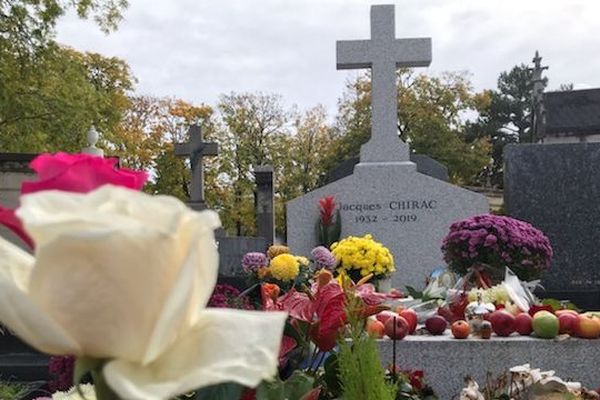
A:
497	242
283	268
60	373
361	256
151	278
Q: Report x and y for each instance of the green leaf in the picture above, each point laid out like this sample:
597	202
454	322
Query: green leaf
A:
414	292
83	366
297	385
270	390
331	377
321	235
334	231
222	391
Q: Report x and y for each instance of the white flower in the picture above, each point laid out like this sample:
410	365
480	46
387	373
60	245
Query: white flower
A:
125	276
72	394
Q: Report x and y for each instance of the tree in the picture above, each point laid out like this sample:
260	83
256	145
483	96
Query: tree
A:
430	118
49	94
27	26
302	154
50	105
505	118
253	128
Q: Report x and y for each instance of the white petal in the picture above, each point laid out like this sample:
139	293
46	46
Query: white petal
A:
20	313
122	271
193	288
224	346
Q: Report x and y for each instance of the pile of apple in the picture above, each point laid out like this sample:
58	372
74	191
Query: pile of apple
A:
544	324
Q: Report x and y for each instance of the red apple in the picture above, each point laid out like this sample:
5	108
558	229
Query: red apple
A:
503	323
523	324
567	322
587	327
436	325
375	328
461	329
410	316
558	313
399	331
385	315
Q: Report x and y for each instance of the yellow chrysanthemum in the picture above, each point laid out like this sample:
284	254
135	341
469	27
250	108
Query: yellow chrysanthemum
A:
303	261
276	250
363	254
284	267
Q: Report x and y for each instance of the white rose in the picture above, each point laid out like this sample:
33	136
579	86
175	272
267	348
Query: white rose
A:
125	276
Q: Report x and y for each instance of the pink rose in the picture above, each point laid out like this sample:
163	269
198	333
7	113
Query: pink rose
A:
80	173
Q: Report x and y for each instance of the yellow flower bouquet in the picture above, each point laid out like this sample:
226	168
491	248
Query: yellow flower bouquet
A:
361	256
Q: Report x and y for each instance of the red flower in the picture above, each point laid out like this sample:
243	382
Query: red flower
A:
10	220
80	173
248	394
327	208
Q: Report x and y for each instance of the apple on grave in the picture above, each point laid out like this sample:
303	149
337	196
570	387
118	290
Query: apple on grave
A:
545	324
410	316
436	325
460	329
396	328
567	322
375	328
385	315
587	327
503	323
524	324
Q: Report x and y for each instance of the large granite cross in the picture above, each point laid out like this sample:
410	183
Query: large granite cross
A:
196	149
384	54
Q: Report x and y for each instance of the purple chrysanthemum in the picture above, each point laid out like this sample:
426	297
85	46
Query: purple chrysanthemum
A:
497	241
323	258
252	262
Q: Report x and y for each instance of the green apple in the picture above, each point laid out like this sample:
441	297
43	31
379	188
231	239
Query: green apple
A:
545	324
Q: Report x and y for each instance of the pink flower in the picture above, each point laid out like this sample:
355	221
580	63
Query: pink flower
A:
80	173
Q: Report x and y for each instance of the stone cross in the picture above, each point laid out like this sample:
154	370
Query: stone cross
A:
384	54
538	116
196	149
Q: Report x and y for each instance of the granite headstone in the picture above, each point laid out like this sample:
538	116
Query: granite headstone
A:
425	165
556	187
407	211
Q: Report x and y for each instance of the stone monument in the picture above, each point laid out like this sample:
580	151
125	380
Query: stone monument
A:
196	149
407	211
556	188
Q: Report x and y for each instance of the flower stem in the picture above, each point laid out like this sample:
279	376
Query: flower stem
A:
103	391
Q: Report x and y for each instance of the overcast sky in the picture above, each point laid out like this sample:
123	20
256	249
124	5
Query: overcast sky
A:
199	49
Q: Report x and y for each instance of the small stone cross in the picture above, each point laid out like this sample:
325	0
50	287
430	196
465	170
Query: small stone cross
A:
196	149
384	54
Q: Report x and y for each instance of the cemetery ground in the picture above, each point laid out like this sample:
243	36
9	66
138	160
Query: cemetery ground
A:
394	282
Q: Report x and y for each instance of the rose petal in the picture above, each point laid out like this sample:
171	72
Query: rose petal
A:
225	345
83	176
20	313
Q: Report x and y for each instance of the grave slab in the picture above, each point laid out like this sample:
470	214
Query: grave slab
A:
408	212
556	188
446	361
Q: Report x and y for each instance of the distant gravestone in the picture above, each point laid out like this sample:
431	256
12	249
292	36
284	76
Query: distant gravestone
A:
196	149
405	210
556	187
